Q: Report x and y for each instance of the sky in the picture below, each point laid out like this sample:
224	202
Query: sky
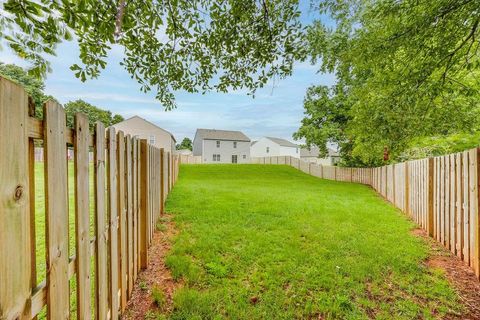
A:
276	110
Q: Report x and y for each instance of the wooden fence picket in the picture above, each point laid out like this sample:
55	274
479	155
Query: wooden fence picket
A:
129	213
56	196
16	256
466	207
101	229
113	218
82	216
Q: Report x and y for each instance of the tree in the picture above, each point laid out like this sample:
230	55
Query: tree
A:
408	69
33	86
116	119
93	113
185	144
190	45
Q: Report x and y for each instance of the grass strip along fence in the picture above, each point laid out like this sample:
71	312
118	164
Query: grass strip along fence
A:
131	182
440	194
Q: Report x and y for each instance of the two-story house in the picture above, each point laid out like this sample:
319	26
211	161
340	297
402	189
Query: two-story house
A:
271	147
312	155
144	129
221	146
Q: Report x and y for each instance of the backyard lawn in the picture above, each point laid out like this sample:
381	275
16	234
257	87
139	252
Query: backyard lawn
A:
270	242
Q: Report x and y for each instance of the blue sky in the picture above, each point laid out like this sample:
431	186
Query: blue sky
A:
275	111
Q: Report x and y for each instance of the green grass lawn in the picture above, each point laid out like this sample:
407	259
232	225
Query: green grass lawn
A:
270	242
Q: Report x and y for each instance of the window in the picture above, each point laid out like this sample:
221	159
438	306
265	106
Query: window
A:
216	157
152	139
218	144
296	150
235	144
268	149
244	156
234	158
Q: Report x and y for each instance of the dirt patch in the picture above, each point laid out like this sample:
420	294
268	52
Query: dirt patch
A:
157	275
458	274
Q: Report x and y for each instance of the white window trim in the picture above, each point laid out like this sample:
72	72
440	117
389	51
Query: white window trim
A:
150	139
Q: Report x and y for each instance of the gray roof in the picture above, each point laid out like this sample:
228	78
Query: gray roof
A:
213	134
314	152
282	142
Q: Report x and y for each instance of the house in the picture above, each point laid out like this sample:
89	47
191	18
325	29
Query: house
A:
221	146
269	147
144	129
312	155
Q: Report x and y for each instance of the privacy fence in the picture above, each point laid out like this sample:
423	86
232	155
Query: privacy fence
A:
113	216
440	194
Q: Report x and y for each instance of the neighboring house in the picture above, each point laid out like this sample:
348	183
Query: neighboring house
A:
271	147
143	129
311	155
221	146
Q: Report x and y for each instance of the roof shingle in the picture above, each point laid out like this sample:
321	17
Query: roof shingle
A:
282	142
213	134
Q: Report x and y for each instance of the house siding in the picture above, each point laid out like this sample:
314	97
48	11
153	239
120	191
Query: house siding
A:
226	150
259	149
143	129
197	146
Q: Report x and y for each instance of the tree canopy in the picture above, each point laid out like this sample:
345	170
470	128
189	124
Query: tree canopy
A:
190	45
185	144
93	113
405	69
33	86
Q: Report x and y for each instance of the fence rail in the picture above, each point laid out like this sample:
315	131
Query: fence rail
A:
440	194
131	180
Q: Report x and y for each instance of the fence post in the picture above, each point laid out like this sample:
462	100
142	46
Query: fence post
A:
430	197
143	213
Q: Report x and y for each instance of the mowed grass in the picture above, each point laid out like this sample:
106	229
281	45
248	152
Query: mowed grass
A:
270	242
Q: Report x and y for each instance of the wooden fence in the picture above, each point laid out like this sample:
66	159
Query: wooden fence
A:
189	159
131	182
440	194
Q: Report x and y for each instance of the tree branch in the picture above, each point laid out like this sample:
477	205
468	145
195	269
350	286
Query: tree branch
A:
119	18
